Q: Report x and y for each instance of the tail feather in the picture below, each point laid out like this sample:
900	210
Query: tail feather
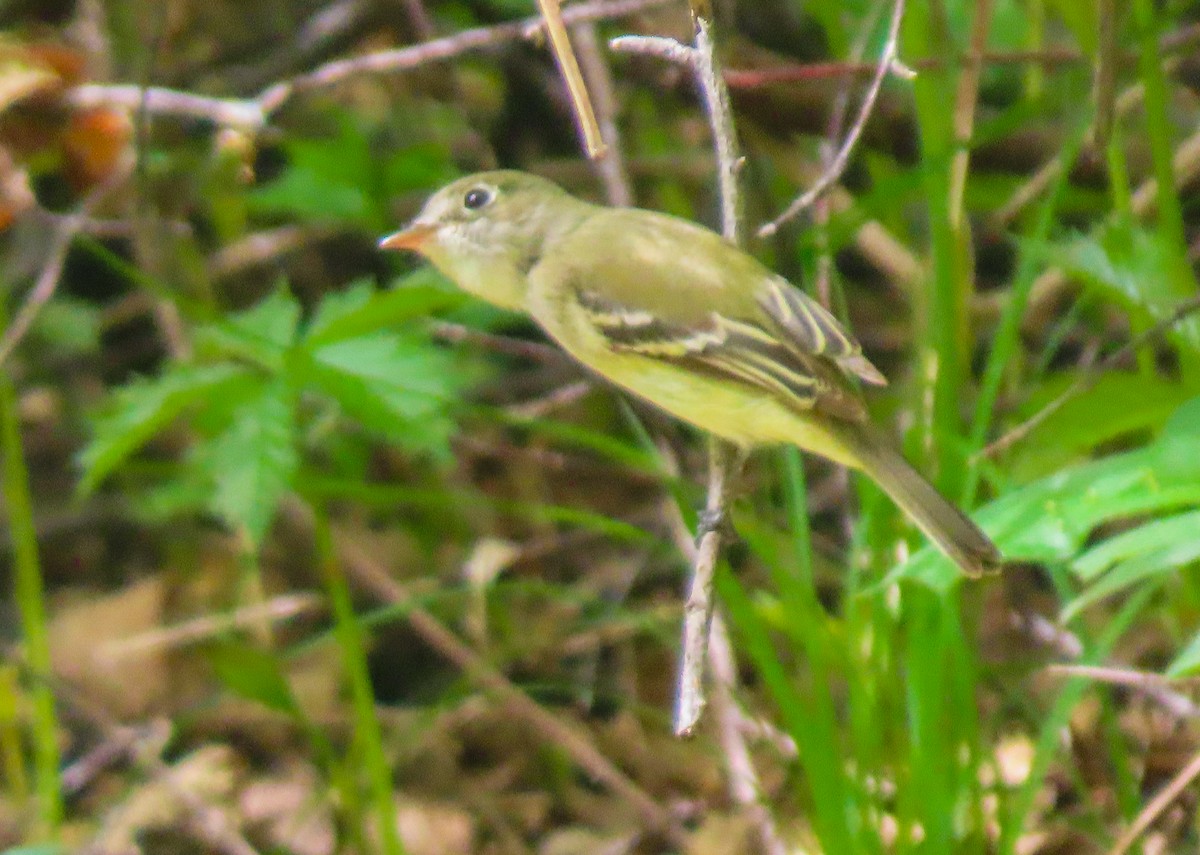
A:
948	527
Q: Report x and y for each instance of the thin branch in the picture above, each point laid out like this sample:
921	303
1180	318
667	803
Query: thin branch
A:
243	113
366	574
754	78
568	67
701	59
889	63
1155	686
744	785
1157	805
412	56
698	610
594	64
47	282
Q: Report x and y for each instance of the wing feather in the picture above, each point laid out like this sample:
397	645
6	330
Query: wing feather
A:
734	349
804	323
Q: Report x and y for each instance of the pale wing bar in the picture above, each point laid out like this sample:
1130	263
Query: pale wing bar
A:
807	326
725	347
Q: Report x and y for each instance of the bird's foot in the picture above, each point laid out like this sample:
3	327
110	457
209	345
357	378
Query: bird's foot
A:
716	522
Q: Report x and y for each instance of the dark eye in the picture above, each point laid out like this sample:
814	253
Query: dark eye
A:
476	198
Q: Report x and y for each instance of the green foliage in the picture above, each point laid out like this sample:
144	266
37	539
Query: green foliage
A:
262	377
254	674
1050	519
348	179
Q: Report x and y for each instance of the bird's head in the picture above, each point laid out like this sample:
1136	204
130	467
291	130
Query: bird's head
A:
486	231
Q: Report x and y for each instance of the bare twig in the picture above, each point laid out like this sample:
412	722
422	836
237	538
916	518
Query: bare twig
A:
568	67
203	628
412	56
1091	374
251	114
534	351
702	60
47	282
594	64
1155	686
744	785
698	610
369	576
889	63
1157	805
753	78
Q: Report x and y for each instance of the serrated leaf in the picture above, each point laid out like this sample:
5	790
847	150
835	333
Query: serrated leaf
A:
252	463
360	309
140	410
261	334
1187	663
1138	268
254	674
396	387
346	178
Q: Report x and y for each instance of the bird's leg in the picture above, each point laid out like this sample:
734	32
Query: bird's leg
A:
715	520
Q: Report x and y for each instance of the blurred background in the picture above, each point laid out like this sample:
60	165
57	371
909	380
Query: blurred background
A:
307	552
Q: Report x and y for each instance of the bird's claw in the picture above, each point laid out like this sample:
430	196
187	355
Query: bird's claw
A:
714	521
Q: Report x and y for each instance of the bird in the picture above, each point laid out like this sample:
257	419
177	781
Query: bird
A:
677	315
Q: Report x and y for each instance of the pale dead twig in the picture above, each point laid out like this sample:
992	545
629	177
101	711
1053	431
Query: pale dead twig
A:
744	785
534	351
1157	805
206	627
252	114
568	67
889	63
364	572
702	61
734	727
1155	686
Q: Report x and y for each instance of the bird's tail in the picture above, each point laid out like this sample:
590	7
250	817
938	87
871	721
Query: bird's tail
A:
948	527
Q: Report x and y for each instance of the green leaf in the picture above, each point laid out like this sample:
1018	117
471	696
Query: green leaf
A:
395	386
1187	663
360	309
1149	538
1118	404
348	177
252	463
138	411
254	674
1141	568
1049	520
1137	268
262	334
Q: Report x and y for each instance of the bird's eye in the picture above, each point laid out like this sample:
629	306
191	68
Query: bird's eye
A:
476	198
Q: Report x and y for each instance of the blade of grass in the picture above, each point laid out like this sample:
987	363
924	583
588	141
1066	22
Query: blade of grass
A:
30	598
367	734
1007	339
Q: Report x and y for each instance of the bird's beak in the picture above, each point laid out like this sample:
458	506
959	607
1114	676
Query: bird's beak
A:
412	238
